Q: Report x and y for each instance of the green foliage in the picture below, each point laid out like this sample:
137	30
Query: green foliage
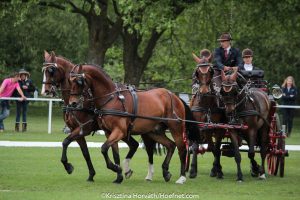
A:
270	29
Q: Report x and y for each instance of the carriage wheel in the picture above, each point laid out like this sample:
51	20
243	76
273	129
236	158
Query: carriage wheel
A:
280	161
272	160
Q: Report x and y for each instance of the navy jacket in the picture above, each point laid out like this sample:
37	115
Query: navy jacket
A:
27	92
289	97
234	58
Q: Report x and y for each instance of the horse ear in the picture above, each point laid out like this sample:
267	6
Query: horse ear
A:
53	56
46	54
234	75
223	76
196	58
80	69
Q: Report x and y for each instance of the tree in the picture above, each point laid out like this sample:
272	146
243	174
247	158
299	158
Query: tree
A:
144	24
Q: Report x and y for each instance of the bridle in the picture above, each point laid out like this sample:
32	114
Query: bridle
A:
51	68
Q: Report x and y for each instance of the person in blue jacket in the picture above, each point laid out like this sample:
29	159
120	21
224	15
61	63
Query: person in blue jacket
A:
289	98
28	88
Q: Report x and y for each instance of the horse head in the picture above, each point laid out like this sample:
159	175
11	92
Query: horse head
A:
53	74
79	86
229	90
204	73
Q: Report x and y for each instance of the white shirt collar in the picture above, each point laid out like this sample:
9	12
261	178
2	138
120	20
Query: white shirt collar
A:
248	67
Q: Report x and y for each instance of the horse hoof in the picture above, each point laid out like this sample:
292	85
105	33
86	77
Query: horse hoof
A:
220	175
193	174
128	174
167	176
213	174
119	179
90	179
254	174
239	180
70	168
181	180
262	177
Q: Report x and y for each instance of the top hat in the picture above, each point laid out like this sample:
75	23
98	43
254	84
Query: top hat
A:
247	53
225	37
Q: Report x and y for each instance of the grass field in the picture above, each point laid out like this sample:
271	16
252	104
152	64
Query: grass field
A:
36	173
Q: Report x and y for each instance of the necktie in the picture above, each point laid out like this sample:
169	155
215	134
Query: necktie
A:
226	53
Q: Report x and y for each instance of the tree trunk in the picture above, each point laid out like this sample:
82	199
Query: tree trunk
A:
101	36
134	64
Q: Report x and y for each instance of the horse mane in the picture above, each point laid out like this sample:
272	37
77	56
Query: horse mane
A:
101	69
93	65
66	60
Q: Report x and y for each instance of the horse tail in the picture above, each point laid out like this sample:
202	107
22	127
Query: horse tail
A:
192	129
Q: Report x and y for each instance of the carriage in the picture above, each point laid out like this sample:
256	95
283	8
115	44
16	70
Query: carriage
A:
276	151
93	101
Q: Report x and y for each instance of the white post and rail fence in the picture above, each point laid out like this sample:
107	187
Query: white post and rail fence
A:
50	102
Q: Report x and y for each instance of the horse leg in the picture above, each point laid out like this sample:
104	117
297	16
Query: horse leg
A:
194	167
85	152
169	144
251	154
149	145
177	133
64	159
263	150
217	156
114	137
133	145
237	155
116	156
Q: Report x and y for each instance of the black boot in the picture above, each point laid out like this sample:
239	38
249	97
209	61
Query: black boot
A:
17	127
24	127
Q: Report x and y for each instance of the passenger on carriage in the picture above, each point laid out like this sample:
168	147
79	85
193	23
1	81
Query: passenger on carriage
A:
226	56
251	72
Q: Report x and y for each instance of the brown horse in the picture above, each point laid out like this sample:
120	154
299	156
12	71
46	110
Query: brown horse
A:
249	106
205	106
82	122
123	111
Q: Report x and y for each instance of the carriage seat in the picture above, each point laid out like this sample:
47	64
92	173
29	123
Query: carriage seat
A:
256	77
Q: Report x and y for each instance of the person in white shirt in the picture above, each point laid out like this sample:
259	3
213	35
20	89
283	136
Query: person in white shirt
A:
249	71
247	55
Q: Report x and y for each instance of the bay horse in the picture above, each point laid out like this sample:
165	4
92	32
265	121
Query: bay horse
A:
56	71
123	111
249	106
205	106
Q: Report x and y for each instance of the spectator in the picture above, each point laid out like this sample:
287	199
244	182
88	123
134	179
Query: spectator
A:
6	90
288	98
28	89
227	56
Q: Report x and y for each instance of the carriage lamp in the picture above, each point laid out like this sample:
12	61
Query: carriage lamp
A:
276	92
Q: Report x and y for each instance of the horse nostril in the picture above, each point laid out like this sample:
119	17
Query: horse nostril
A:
73	104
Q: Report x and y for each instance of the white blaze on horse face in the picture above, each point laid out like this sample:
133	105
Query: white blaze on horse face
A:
43	85
150	172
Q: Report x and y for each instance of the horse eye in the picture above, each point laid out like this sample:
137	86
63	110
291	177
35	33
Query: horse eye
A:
80	82
51	70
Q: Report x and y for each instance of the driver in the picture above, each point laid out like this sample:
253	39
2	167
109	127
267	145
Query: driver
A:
226	56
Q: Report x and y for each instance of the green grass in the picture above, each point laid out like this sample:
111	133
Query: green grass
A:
36	173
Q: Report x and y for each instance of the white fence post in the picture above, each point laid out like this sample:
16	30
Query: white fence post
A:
50	101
